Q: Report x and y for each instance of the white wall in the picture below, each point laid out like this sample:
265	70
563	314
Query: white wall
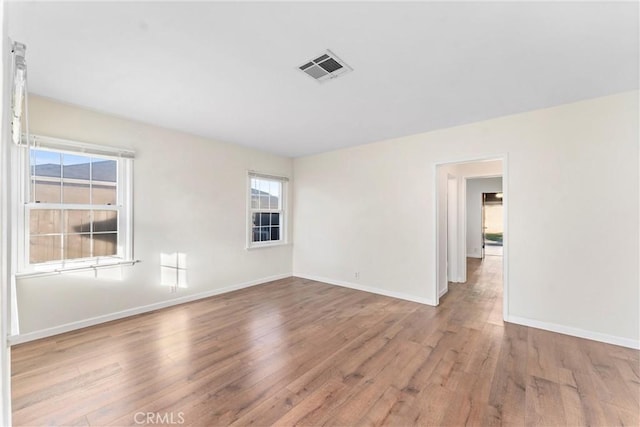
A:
189	196
475	188
371	209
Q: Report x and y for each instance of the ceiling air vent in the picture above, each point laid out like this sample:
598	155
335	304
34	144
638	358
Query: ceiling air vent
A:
325	67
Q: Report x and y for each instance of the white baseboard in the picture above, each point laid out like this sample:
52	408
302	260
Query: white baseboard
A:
575	332
474	256
443	291
365	288
67	327
553	327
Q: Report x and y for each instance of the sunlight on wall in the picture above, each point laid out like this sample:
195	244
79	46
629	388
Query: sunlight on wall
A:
173	269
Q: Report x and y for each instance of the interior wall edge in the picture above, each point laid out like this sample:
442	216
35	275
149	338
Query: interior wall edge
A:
5	241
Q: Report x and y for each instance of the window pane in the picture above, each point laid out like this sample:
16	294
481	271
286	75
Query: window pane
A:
46	171
76	174
77	221
46	163
263	185
256	219
44	248
75	192
46	191
264	193
265	219
103	194
255	193
275	219
274	190
105	221
264	234
256	234
105	244
76	167
274	202
264	201
275	233
45	221
77	246
104	170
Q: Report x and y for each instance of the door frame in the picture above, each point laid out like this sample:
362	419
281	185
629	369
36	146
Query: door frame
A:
464	215
484	218
482	226
462	231
453	202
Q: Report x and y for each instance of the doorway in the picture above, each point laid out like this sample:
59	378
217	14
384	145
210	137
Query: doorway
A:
492	226
458	240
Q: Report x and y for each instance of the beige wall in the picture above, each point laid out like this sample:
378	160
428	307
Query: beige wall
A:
190	197
370	209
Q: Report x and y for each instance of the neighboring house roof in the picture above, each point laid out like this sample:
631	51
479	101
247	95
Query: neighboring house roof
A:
255	192
101	171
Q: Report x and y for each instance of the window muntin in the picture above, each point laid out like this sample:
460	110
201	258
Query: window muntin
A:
73	212
266	222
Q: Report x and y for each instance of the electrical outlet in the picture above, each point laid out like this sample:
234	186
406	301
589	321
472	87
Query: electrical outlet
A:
356	275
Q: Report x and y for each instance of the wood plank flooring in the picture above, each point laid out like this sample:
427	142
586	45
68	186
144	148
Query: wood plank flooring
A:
302	352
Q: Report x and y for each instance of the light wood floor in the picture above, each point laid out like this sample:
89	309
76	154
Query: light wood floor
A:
302	352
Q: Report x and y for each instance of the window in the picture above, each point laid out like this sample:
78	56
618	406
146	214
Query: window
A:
76	209
267	210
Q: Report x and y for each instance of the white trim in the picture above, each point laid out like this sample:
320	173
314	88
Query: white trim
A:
505	235
125	214
272	177
76	266
31	336
436	236
575	332
444	291
261	245
453	219
59	144
365	288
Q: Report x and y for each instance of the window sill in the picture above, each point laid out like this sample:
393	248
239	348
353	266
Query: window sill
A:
267	245
78	267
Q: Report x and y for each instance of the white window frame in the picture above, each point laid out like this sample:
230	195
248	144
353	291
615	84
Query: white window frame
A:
24	205
283	211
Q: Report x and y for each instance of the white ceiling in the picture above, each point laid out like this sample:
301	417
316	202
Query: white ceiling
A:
227	71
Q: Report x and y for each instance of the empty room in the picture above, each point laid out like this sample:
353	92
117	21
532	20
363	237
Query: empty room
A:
320	213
